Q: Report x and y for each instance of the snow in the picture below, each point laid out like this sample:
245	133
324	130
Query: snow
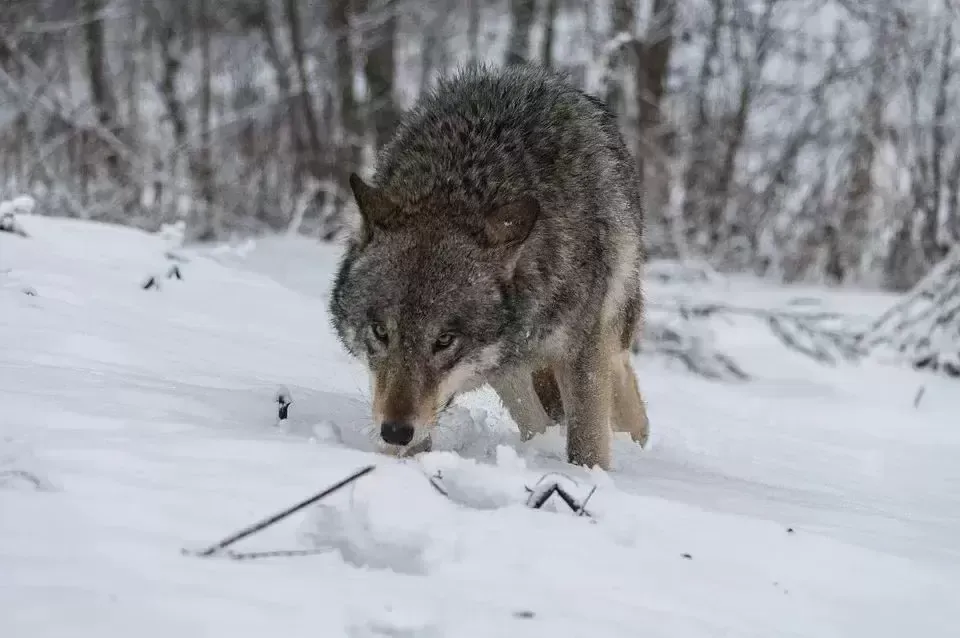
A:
810	501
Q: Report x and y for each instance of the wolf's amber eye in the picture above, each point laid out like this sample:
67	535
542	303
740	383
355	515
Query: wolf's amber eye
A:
379	331
444	341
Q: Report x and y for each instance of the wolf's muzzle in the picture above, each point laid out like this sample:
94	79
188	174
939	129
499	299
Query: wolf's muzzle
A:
396	432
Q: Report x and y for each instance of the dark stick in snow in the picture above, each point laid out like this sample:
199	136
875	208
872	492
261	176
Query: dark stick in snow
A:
8	224
284	401
545	488
274	553
256	527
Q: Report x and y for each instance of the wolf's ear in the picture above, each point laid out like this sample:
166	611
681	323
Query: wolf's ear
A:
375	209
510	224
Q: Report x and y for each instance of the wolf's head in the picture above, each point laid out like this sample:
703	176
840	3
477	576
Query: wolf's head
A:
424	303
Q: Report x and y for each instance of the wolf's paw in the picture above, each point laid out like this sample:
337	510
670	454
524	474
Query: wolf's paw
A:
641	437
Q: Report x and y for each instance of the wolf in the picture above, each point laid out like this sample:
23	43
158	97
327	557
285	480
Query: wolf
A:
500	243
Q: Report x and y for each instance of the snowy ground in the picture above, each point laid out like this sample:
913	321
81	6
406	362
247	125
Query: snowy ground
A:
137	422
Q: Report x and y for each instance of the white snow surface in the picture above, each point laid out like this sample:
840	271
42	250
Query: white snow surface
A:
810	501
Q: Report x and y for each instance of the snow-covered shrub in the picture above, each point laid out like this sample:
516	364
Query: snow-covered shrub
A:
923	329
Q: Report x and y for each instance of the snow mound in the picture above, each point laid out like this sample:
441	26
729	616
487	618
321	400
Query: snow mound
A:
808	501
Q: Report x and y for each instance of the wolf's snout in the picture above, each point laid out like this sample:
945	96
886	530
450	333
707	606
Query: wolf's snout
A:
396	432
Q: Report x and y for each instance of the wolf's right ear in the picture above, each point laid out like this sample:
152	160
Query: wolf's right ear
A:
375	209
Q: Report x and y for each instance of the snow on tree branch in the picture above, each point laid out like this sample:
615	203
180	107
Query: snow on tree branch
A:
924	328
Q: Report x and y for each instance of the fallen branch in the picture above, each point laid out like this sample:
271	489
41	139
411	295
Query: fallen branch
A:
217	548
550	484
680	329
8	476
8	224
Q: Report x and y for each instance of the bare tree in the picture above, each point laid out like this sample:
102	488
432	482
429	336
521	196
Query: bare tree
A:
379	68
549	24
522	13
104	100
203	166
622	19
473	28
801	140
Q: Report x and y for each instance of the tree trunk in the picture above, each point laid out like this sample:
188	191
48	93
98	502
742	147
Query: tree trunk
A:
933	249
522	13
379	68
651	83
473	28
101	92
203	169
622	21
652	70
295	119
170	56
549	22
305	100
858	194
699	168
350	152
432	41
751	68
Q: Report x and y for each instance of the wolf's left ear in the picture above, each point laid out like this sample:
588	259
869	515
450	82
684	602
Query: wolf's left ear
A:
510	224
375	209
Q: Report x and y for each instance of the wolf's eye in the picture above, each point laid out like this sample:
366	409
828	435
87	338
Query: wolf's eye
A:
444	341
379	331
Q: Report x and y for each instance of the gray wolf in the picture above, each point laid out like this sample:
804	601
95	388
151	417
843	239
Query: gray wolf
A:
500	243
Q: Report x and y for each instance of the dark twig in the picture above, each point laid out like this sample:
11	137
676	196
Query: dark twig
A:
919	396
437	485
274	553
30	478
544	489
284	401
256	527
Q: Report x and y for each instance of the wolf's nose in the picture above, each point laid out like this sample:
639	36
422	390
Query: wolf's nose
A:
396	432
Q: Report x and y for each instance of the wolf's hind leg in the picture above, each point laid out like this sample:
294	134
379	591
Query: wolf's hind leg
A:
516	390
629	411
545	384
585	385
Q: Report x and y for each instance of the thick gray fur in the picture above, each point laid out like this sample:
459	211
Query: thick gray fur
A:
481	141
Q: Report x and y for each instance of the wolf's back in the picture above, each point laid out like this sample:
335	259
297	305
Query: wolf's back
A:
483	137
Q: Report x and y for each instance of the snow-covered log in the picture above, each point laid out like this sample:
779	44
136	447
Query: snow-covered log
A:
685	329
688	339
8	211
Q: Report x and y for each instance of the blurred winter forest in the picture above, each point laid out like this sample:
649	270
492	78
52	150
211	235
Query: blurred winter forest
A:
812	140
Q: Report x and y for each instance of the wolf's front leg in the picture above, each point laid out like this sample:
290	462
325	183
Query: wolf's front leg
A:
586	390
517	392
